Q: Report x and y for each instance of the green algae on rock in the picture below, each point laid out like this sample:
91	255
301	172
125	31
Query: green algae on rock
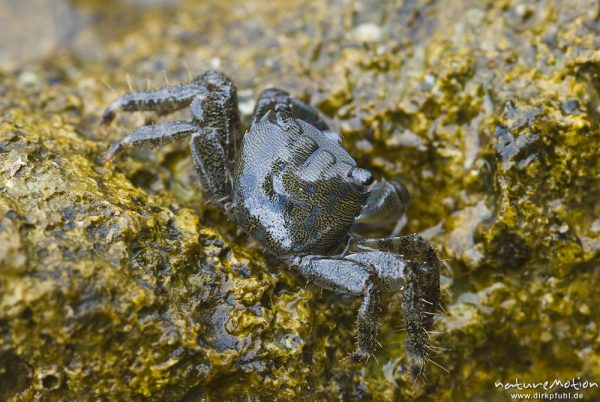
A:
109	292
119	283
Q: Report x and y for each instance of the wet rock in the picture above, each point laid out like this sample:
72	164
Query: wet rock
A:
119	282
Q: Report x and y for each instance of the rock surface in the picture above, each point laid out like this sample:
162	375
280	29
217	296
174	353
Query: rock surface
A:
117	282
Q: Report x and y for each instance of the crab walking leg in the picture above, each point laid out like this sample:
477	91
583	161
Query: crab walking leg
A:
300	110
411	247
366	324
163	101
421	296
210	160
207	152
348	277
267	101
153	135
220	114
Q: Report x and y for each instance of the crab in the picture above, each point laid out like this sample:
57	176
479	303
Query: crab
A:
290	184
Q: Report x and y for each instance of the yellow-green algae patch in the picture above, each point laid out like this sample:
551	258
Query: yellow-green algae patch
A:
119	282
107	291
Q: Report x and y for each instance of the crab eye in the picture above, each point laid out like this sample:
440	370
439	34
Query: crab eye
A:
333	136
360	176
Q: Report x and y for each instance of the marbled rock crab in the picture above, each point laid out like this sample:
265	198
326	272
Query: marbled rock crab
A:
290	184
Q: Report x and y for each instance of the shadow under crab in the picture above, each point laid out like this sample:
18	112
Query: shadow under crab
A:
289	183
